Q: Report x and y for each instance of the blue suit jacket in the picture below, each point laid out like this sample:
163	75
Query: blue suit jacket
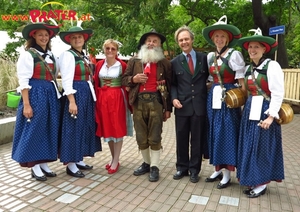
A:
190	90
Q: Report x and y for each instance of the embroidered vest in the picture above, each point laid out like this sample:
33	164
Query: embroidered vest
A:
39	69
81	71
261	80
226	73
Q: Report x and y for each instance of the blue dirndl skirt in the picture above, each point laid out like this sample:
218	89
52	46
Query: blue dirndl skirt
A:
223	131
260	157
78	138
37	141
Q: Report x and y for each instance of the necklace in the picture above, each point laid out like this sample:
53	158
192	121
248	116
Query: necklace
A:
110	63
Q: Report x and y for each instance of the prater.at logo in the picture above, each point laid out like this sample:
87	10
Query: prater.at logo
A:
42	15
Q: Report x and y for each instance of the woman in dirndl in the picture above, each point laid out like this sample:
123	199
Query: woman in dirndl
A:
113	114
224	122
35	138
260	157
78	122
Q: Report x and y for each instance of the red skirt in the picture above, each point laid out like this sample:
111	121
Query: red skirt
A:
110	112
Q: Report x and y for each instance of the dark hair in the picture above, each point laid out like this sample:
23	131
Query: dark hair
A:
31	42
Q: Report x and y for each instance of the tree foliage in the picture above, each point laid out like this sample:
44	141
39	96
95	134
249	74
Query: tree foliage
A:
127	20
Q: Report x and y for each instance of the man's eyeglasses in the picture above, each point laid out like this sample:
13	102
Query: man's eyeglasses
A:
112	49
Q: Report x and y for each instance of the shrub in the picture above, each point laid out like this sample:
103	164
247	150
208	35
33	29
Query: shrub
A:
8	79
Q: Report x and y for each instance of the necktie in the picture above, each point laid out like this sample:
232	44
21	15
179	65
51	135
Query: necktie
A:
191	65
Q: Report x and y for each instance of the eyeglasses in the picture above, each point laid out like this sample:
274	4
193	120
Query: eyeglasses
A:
112	49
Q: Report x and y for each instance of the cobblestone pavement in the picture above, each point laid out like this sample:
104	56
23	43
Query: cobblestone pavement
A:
122	191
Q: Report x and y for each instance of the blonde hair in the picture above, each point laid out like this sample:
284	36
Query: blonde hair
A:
181	29
220	30
111	41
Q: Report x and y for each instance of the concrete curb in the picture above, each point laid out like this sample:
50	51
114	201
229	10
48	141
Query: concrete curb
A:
7	127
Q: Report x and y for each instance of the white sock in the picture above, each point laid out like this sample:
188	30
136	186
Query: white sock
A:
226	176
215	174
72	166
259	188
155	156
81	163
146	155
45	167
37	170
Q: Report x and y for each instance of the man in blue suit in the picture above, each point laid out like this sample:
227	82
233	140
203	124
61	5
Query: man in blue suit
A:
189	94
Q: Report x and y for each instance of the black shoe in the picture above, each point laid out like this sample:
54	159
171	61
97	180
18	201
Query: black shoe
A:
194	178
39	178
76	174
221	185
48	174
143	169
247	191
86	167
209	180
254	195
154	174
180	174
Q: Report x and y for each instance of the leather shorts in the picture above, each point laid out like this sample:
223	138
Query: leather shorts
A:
147	97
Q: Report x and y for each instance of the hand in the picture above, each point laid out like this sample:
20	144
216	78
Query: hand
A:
265	124
27	111
167	114
140	78
73	108
177	104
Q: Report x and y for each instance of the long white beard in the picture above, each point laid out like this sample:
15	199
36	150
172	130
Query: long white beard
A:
150	55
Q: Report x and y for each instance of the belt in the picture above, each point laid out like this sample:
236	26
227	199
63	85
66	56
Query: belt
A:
148	97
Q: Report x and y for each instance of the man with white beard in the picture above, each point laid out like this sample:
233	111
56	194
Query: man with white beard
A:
148	77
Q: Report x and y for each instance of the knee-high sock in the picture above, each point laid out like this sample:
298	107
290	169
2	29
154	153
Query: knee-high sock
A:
215	174
45	167
72	166
155	156
146	155
259	188
81	163
226	176
37	170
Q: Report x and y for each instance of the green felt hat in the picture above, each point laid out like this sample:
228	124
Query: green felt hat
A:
269	42
31	28
233	32
65	36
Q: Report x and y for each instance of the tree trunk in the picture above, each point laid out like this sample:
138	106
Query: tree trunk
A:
265	23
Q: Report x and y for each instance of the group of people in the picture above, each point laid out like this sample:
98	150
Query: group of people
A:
247	139
115	97
50	126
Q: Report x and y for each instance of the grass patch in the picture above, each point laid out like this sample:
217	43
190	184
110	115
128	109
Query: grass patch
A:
8	79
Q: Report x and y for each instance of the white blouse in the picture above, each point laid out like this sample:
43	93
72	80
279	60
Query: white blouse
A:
25	66
67	69
110	72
